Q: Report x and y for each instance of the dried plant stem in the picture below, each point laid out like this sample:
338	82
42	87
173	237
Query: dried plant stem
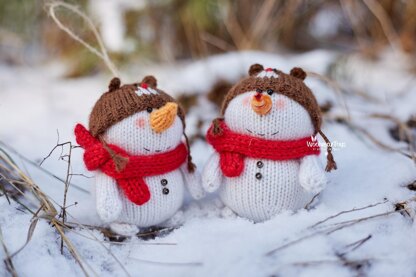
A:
102	53
8	260
327	230
377	9
356	26
357	244
48	210
47	172
347	211
67	182
336	88
167	263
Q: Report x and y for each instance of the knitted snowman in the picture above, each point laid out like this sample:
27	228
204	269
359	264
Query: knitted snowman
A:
134	143
266	155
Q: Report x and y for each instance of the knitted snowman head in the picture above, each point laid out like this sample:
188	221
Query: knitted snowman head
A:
139	118
272	105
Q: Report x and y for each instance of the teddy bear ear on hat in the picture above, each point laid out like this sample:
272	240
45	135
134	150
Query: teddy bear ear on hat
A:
150	81
298	72
255	69
114	84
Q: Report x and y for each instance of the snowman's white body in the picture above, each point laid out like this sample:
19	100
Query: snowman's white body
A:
134	135
260	199
284	185
156	211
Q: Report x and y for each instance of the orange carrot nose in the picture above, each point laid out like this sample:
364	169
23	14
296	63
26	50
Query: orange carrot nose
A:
261	103
163	118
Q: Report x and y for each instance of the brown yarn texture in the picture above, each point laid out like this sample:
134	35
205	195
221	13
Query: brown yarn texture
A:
285	84
118	104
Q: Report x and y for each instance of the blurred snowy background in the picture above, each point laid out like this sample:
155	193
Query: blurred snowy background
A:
360	58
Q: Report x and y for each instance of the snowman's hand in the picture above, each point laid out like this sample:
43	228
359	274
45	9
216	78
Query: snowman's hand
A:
108	199
211	174
193	182
312	174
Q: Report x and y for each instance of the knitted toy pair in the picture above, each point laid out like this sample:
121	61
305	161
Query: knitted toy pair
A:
265	158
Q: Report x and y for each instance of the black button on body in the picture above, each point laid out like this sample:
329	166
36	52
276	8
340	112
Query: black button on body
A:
164	182
165	191
260	164
259	176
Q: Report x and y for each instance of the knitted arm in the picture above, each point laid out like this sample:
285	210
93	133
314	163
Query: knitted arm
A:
193	182
108	198
311	174
212	175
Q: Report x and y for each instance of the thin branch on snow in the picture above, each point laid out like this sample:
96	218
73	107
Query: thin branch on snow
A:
355	245
347	211
327	230
168	263
42	169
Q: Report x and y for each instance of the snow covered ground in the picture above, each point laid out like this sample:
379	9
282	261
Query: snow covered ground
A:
37	105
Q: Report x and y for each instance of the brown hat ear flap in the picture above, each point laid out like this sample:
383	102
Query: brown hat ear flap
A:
191	165
298	72
114	84
217	130
120	162
150	81
255	69
330	162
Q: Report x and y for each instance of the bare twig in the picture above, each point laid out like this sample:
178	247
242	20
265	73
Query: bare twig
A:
102	53
168	263
47	172
345	212
339	226
355	245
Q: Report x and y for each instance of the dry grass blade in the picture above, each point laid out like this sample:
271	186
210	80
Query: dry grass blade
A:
48	210
8	260
30	232
377	9
105	247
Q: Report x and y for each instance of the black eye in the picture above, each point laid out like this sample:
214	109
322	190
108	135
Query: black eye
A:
149	110
270	91
258	90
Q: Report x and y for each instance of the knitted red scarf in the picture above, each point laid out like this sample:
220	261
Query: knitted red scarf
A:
234	148
131	177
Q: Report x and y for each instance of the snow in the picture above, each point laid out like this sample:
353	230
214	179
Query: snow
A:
36	103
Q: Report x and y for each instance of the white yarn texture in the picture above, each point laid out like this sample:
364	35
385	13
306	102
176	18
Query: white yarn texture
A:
111	203
266	187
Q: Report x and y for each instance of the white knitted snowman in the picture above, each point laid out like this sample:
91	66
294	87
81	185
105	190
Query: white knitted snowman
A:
134	144
266	157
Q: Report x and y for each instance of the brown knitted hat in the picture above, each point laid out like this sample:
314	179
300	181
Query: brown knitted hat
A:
120	102
290	85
